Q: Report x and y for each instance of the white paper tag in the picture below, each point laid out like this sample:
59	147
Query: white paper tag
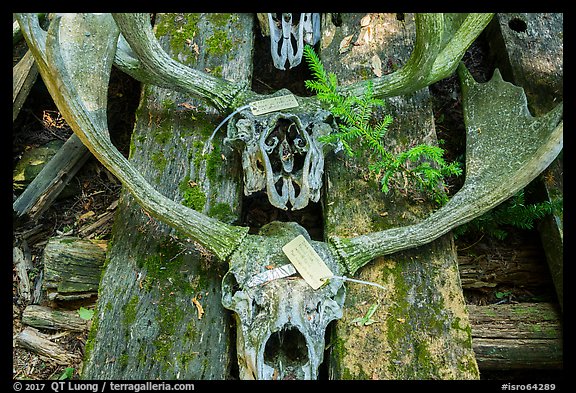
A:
273	104
307	261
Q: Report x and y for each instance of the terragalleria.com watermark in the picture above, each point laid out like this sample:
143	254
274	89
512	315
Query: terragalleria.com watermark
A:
100	387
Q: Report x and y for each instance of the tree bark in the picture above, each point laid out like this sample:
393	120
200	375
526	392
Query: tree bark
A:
159	311
528	47
422	330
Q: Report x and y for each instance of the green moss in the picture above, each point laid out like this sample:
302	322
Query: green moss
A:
213	163
130	310
222	19
123	360
219	44
223	212
193	195
168	104
159	160
163	275
217	71
180	30
89	347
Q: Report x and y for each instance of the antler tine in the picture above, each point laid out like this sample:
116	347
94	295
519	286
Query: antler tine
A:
90	43
435	56
164	70
509	152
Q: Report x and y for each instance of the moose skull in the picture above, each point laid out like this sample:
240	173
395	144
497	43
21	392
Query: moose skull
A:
280	323
282	153
287	37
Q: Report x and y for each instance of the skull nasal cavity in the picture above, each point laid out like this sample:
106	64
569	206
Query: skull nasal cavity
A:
287	346
286	147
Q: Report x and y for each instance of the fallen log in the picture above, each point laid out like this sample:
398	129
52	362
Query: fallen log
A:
49	183
72	268
24	75
38	342
42	317
517	336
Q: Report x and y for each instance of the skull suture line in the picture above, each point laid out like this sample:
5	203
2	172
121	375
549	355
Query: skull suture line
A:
280	324
282	154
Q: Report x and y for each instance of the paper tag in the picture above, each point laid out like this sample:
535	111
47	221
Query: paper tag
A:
273	104
307	261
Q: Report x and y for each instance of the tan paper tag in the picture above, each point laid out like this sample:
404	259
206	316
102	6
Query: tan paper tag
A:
273	104
307	261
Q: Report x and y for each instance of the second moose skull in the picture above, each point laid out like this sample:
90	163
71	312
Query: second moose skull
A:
282	154
281	323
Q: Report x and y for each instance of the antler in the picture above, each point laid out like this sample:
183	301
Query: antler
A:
441	41
506	148
75	59
159	68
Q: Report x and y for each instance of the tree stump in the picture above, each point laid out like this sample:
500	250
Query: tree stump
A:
159	311
422	330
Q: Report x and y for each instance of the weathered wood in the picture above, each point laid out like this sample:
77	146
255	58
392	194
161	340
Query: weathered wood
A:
422	329
159	312
514	264
42	317
24	75
40	343
166	70
529	49
22	261
440	42
517	336
52	179
72	268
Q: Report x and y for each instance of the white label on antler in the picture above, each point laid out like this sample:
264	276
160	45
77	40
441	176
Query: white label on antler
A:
307	261
273	104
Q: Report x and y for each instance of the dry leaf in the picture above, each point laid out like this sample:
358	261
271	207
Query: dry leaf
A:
377	65
187	105
86	215
345	44
401	320
198	307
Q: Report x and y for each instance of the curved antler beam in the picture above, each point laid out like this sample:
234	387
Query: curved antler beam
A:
506	148
75	59
160	69
438	48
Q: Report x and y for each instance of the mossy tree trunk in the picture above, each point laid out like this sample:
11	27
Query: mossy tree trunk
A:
422	329
159	311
